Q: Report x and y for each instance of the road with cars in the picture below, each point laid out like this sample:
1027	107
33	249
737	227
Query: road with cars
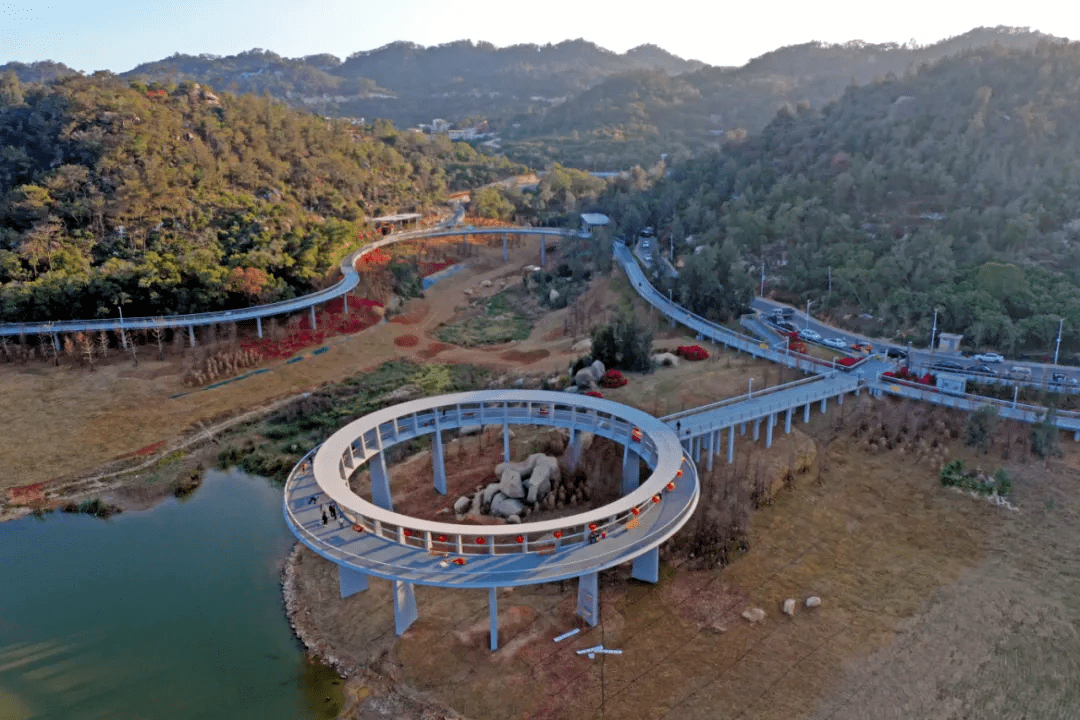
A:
924	360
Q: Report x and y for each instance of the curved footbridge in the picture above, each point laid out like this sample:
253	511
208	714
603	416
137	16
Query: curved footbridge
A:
373	540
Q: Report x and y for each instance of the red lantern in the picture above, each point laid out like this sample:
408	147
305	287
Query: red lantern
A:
358	528
603	535
671	486
407	533
592	526
656	498
636	511
480	541
557	534
520	538
441	538
679	474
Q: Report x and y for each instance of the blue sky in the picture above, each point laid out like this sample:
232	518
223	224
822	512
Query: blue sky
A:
119	34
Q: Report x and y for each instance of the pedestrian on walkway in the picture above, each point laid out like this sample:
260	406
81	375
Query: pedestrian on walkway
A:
333	511
324	517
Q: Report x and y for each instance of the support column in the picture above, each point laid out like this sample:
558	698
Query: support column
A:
787	421
757	429
404	606
840	399
806	413
345	303
768	430
731	445
647	567
351	581
438	460
824	404
380	481
588	601
711	450
574	449
505	257
631	471
258	326
191	334
312	309
493	605
742	428
506	441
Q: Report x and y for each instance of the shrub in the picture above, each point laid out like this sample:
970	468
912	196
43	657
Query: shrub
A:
1002	482
623	344
613	379
692	352
594	393
980	427
1044	436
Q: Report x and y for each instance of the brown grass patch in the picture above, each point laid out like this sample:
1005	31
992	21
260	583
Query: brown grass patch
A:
414	312
406	340
524	358
434	349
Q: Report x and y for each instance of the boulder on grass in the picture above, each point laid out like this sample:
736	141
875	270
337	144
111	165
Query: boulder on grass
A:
584	379
510	484
505	507
461	505
754	615
489	492
539	484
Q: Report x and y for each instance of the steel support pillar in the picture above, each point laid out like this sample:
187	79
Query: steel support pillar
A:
312	309
631	471
731	444
506	441
1076	436
768	430
840	399
351	581
824	404
711	450
438	459
757	429
574	449
404	606
647	567
742	428
787	421
380	481
588	600
493	602
258	327
505	256
345	303
543	243
191	334
806	413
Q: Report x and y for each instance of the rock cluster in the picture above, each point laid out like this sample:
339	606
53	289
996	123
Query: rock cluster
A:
522	488
587	377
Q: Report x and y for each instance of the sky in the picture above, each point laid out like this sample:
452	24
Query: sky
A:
117	35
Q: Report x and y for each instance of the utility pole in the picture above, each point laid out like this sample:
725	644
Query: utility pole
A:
807	325
761	293
933	333
1057	345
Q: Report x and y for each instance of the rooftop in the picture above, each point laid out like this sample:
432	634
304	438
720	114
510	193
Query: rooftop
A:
595	219
400	217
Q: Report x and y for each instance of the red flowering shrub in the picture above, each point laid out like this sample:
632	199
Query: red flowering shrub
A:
692	352
597	393
847	361
613	379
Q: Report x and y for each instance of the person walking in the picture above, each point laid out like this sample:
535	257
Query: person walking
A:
333	511
324	517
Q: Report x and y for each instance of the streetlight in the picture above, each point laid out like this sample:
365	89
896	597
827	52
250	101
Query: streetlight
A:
1057	345
123	337
933	331
761	293
808	303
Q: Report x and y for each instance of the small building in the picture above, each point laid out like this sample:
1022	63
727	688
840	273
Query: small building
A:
387	224
591	220
949	342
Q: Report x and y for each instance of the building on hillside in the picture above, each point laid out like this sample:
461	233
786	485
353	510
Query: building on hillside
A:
591	220
438	125
949	342
387	224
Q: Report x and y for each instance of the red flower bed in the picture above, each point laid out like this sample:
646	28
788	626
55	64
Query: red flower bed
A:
331	321
613	379
692	352
430	268
847	361
595	393
374	259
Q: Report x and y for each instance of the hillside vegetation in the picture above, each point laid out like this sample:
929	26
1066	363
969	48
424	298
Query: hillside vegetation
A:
955	187
172	199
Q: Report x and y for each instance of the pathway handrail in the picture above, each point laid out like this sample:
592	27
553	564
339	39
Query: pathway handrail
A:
741	398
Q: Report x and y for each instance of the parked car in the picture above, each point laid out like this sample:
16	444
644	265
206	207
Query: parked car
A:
989	357
895	352
789	326
981	368
862	347
783	313
837	343
946	365
1021	371
1064	379
808	334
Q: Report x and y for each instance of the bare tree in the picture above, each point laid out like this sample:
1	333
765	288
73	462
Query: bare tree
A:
103	345
86	347
131	346
69	347
158	334
47	343
5	347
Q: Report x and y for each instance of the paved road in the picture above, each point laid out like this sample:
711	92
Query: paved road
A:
922	358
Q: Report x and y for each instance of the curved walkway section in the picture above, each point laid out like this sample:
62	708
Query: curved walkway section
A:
349	280
371	539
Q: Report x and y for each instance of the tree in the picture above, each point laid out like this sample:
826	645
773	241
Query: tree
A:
980	427
85	343
624	344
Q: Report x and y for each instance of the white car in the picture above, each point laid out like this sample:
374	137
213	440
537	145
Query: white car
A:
808	334
837	343
989	357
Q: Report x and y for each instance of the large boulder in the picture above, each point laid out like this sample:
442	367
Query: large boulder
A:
584	379
505	507
461	505
521	468
598	370
582	346
665	359
539	484
489	493
540	459
510	484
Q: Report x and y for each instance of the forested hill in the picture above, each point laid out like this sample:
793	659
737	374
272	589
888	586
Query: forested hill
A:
956	187
409	83
634	117
175	199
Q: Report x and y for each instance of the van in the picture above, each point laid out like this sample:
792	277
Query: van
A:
1021	371
783	313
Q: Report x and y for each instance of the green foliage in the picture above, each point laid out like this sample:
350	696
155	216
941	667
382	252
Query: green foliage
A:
188	201
502	321
1002	482
980	426
953	475
624	344
1044	436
